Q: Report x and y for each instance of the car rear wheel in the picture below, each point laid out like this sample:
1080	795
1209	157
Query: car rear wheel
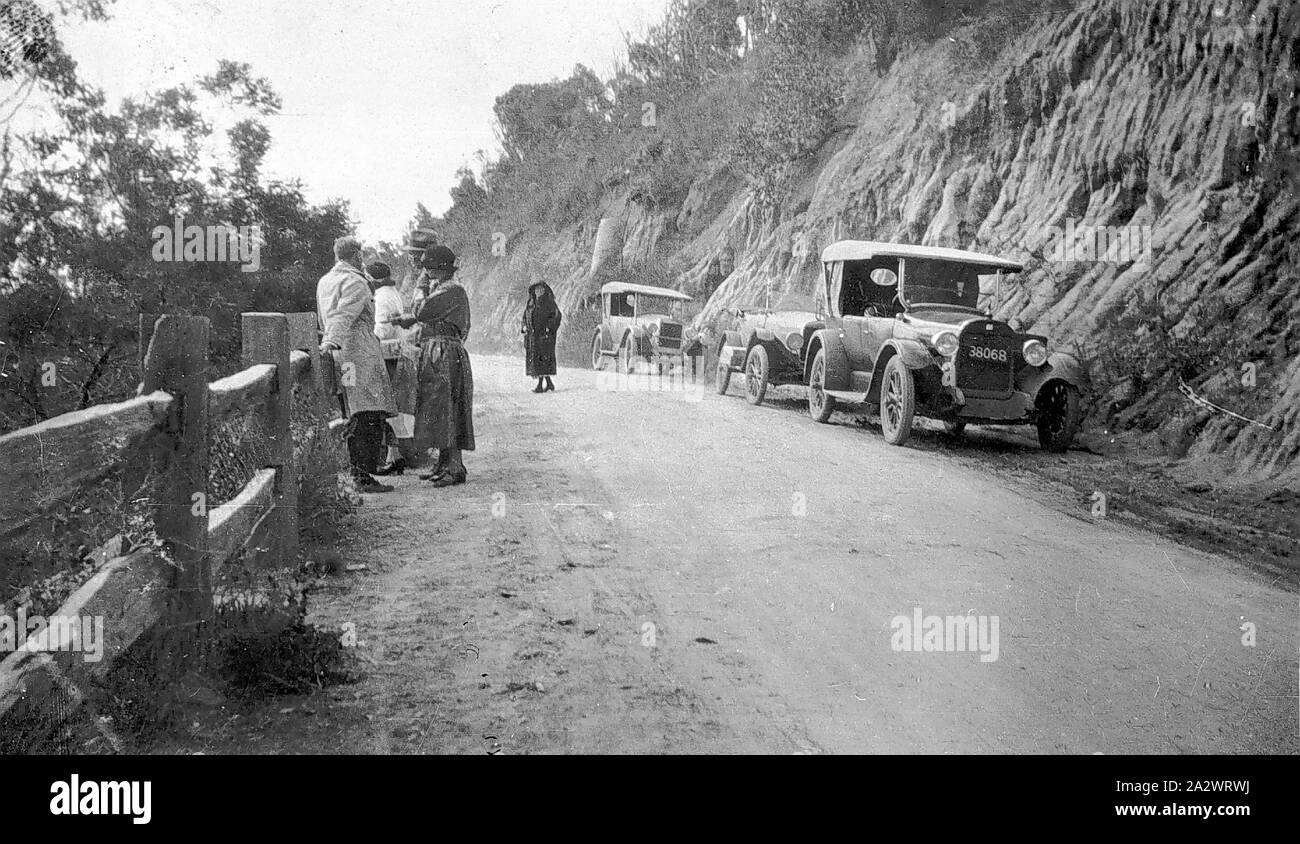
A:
898	402
820	404
1058	416
756	372
597	359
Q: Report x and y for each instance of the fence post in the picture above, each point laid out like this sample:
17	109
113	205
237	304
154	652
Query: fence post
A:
266	340
177	362
304	336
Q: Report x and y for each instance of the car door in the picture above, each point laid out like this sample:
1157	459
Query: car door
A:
880	323
605	323
855	325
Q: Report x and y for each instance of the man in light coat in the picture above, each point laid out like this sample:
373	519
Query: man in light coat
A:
346	311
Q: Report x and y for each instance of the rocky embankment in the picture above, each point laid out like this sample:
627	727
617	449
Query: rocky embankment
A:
1140	157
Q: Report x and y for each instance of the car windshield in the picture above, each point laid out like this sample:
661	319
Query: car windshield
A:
793	302
660	305
936	282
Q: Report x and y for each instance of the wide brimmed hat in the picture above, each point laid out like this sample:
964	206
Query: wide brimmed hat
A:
438	258
422	239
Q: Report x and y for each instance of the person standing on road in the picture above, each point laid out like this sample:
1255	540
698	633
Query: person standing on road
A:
346	312
400	358
444	412
541	324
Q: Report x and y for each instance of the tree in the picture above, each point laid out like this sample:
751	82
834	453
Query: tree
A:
79	206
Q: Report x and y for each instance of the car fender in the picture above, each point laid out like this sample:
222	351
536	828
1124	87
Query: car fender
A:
1060	366
915	356
837	360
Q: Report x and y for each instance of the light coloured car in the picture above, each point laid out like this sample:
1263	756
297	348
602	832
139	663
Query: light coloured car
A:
639	325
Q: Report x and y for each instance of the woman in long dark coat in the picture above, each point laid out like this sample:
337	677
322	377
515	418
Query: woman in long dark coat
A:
444	409
541	325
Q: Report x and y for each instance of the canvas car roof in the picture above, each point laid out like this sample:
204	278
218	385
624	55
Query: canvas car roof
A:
862	250
643	289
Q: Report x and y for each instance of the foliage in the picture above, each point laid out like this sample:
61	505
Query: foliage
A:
744	84
1156	353
79	205
793	105
262	643
46	563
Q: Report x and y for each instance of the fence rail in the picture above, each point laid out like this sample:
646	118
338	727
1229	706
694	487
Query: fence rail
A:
165	431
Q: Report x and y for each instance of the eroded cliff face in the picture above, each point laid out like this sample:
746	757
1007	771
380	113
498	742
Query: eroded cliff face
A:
1166	133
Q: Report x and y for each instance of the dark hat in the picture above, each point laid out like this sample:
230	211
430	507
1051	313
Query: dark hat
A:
378	270
438	258
422	239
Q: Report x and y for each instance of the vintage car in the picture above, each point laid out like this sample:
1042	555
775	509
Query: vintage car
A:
903	330
640	324
767	346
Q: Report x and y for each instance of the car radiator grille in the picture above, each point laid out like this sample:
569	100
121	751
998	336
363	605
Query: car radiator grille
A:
670	335
985	360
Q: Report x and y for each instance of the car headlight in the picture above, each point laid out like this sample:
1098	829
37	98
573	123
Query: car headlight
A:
794	341
1035	352
945	343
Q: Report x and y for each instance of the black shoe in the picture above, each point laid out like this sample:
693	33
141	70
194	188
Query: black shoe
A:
550	385
539	388
397	467
451	480
372	485
434	474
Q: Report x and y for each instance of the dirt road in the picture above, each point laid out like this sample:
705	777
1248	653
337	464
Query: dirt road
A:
632	571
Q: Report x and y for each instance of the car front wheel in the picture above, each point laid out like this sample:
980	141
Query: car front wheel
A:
756	371
721	378
597	359
626	358
1058	416
898	402
820	404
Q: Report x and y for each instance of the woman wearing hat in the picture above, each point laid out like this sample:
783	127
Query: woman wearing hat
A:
401	358
444	408
541	323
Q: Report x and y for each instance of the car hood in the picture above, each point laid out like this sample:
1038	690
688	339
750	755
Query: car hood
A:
779	321
938	318
659	318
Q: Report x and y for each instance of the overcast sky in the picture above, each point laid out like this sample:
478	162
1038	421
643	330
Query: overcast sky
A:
383	99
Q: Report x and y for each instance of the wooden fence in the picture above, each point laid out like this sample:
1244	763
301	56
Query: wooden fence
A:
164	430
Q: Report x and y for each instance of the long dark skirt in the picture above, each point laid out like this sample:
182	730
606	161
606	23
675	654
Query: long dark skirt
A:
539	350
444	407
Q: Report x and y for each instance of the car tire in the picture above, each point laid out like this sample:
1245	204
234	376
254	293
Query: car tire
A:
897	402
820	404
1059	415
597	359
757	367
625	356
721	378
